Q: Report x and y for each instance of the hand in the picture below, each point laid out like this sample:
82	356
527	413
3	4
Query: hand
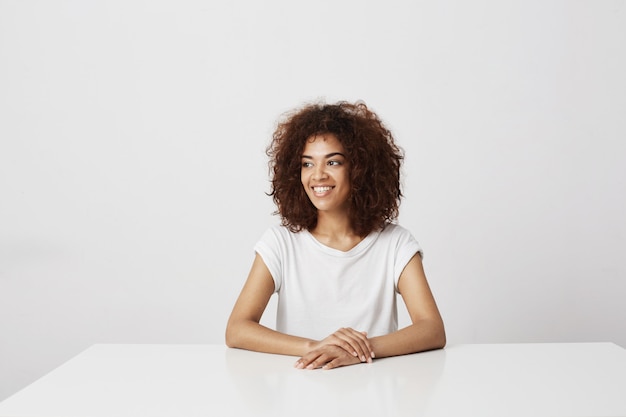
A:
326	357
354	342
354	347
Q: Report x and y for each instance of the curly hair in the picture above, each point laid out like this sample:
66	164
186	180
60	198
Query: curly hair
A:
374	162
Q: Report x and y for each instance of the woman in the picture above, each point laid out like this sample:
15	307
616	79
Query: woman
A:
337	260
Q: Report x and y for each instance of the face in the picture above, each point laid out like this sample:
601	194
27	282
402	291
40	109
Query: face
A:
324	173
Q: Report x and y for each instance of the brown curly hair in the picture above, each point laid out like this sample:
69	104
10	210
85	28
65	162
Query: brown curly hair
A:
374	163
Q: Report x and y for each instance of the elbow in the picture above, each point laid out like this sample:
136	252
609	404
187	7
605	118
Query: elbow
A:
238	333
436	336
230	336
229	341
439	338
428	334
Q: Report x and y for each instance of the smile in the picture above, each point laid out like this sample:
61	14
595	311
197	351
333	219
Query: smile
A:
322	189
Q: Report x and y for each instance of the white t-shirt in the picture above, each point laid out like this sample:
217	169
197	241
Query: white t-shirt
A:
321	289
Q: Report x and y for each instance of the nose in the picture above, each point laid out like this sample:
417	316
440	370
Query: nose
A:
320	172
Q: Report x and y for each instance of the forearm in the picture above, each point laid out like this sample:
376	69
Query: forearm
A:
417	337
250	335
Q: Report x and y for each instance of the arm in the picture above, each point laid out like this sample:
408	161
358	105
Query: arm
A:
244	330
426	331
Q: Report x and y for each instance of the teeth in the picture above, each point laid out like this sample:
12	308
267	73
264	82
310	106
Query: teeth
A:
321	189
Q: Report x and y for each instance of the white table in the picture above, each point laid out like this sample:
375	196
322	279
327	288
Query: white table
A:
576	379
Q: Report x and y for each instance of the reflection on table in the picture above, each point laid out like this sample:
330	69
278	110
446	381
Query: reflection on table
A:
576	379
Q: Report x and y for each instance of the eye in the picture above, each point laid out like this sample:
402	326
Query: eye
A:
306	164
334	163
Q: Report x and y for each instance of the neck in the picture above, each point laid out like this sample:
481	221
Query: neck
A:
335	232
333	224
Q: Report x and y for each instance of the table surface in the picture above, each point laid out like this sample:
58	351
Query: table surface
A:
561	379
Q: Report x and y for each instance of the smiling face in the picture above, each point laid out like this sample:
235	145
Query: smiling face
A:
324	173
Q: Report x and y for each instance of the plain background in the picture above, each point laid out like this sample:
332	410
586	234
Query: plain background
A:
133	171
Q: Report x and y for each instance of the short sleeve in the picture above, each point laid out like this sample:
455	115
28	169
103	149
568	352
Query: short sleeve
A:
269	249
406	248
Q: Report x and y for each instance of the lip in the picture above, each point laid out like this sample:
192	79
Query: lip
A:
322	190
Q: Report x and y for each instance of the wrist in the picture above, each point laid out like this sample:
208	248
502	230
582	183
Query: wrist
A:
309	345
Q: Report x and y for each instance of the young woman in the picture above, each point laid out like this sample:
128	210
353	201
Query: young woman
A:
338	259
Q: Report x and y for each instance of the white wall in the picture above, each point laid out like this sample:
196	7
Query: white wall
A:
133	173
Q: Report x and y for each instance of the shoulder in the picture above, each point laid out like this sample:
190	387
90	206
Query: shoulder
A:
279	236
400	238
279	232
395	231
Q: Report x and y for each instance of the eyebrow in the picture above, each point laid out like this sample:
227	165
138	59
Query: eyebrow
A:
330	155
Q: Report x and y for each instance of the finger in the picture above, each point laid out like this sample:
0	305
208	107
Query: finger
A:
318	362
299	364
358	341
343	360
368	349
306	360
372	355
351	337
345	343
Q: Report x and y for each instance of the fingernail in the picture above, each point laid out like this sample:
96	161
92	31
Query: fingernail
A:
362	358
373	355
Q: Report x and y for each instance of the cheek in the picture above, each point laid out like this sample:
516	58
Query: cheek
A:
345	178
303	180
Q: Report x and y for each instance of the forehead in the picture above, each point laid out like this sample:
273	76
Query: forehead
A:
322	144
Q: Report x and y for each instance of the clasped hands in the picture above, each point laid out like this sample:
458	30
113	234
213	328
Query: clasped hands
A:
344	347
